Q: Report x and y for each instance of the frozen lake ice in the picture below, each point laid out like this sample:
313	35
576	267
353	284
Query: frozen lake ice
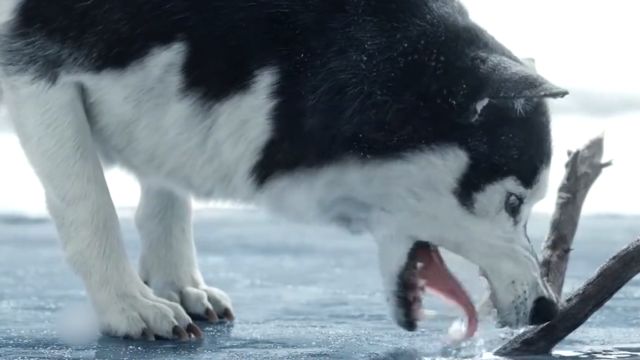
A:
299	292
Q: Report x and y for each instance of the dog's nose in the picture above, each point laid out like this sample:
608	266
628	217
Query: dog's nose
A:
543	311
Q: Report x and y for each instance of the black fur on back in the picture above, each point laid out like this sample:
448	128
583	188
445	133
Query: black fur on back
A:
368	79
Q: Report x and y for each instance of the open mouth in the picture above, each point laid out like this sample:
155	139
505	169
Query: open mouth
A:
425	270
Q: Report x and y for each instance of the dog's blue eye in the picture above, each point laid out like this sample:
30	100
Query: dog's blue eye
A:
513	204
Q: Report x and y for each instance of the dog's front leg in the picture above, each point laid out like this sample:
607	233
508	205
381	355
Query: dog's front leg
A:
51	122
168	261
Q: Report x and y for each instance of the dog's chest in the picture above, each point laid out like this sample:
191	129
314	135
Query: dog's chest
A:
143	119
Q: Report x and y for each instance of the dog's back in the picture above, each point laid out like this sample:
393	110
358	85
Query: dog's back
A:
177	91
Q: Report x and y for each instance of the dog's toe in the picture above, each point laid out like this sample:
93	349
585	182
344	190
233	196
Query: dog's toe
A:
221	303
144	316
207	303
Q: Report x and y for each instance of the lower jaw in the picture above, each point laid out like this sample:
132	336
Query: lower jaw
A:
425	269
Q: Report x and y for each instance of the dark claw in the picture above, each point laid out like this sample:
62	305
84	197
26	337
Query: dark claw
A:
227	314
180	333
194	330
211	315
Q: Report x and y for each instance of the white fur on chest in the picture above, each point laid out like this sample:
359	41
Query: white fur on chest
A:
142	120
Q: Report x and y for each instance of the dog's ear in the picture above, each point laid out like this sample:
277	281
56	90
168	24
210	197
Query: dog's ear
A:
504	78
531	62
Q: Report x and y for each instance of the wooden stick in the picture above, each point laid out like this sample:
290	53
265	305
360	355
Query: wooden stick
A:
610	278
582	170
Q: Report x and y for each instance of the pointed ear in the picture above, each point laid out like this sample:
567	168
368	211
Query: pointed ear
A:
506	78
531	62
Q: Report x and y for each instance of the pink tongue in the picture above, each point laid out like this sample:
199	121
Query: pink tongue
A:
440	280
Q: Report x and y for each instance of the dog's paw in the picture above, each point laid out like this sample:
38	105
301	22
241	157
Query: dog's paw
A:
201	301
142	315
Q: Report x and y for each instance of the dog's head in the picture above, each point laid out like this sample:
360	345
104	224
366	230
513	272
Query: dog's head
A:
478	118
472	195
423	129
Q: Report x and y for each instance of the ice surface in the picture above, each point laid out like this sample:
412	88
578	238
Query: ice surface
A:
457	331
300	292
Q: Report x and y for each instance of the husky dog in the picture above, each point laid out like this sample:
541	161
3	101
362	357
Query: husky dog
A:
400	118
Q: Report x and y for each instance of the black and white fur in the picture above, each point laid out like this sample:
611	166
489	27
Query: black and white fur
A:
401	118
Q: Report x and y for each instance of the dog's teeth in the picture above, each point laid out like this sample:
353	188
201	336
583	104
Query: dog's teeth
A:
422	284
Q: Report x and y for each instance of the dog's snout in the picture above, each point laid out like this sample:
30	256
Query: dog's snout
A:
543	311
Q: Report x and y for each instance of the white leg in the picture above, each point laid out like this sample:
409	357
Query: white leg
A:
168	262
52	125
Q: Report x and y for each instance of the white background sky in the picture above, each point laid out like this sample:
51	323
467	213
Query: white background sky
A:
589	47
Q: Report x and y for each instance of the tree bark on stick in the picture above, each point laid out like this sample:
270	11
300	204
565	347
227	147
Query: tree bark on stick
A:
582	170
610	278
